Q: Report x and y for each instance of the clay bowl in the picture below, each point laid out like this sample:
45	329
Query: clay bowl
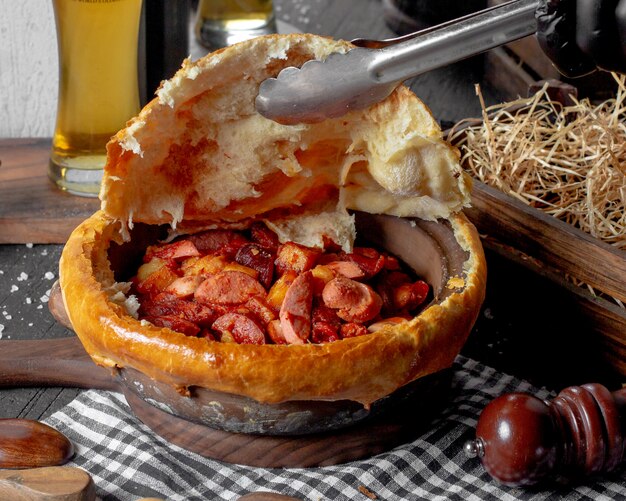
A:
294	433
429	248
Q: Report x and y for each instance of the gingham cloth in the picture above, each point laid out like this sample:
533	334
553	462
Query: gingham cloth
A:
128	461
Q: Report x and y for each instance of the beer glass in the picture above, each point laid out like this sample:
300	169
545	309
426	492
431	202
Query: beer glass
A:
98	86
224	22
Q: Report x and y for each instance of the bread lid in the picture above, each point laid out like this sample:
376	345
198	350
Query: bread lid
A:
199	155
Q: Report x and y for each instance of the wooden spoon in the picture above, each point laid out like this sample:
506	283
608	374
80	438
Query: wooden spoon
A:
53	483
25	443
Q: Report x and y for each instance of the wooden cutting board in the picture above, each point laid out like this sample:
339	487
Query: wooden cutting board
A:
32	209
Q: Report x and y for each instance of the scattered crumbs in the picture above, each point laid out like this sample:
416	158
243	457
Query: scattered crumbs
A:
29	245
487	314
6	315
23	276
49	275
44	252
14	288
366	492
28	300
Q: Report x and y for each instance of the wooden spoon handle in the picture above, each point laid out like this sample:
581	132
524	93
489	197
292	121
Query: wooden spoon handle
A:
25	443
54	483
51	362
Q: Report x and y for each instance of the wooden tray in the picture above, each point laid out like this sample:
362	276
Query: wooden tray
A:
32	209
553	249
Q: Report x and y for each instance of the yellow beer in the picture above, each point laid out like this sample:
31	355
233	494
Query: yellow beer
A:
224	22
98	86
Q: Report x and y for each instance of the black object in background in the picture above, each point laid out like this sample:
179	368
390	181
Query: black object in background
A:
406	16
165	41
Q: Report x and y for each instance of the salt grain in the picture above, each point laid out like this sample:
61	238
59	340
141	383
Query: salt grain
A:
29	245
44	299
1	329
23	276
44	252
49	275
28	300
14	288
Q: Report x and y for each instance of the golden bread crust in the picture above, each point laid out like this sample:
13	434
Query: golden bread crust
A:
362	369
200	156
212	159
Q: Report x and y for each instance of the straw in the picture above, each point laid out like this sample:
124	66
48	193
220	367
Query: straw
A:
568	161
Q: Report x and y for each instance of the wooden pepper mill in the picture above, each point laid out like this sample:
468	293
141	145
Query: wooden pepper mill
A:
522	440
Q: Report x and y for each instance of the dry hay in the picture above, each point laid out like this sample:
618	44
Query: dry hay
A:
568	161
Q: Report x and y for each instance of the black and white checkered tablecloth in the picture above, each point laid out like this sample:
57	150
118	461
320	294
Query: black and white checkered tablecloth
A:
128	461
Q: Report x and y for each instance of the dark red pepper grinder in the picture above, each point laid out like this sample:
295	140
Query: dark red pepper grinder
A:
522	440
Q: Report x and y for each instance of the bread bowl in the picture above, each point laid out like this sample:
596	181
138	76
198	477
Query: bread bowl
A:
199	156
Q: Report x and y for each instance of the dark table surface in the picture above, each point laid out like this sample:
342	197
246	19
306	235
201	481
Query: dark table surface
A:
524	327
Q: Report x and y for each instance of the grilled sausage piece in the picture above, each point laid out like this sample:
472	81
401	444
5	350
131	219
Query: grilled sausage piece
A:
243	329
228	287
354	301
295	312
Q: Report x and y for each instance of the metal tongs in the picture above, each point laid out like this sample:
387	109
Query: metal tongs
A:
368	73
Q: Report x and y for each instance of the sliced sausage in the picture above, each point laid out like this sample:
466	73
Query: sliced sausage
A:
261	310
295	312
165	304
243	329
348	269
225	242
176	324
369	260
228	287
354	301
175	250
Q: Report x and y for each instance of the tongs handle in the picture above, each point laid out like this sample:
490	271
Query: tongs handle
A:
432	48
363	76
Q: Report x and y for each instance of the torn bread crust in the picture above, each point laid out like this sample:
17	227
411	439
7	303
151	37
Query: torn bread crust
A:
211	159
